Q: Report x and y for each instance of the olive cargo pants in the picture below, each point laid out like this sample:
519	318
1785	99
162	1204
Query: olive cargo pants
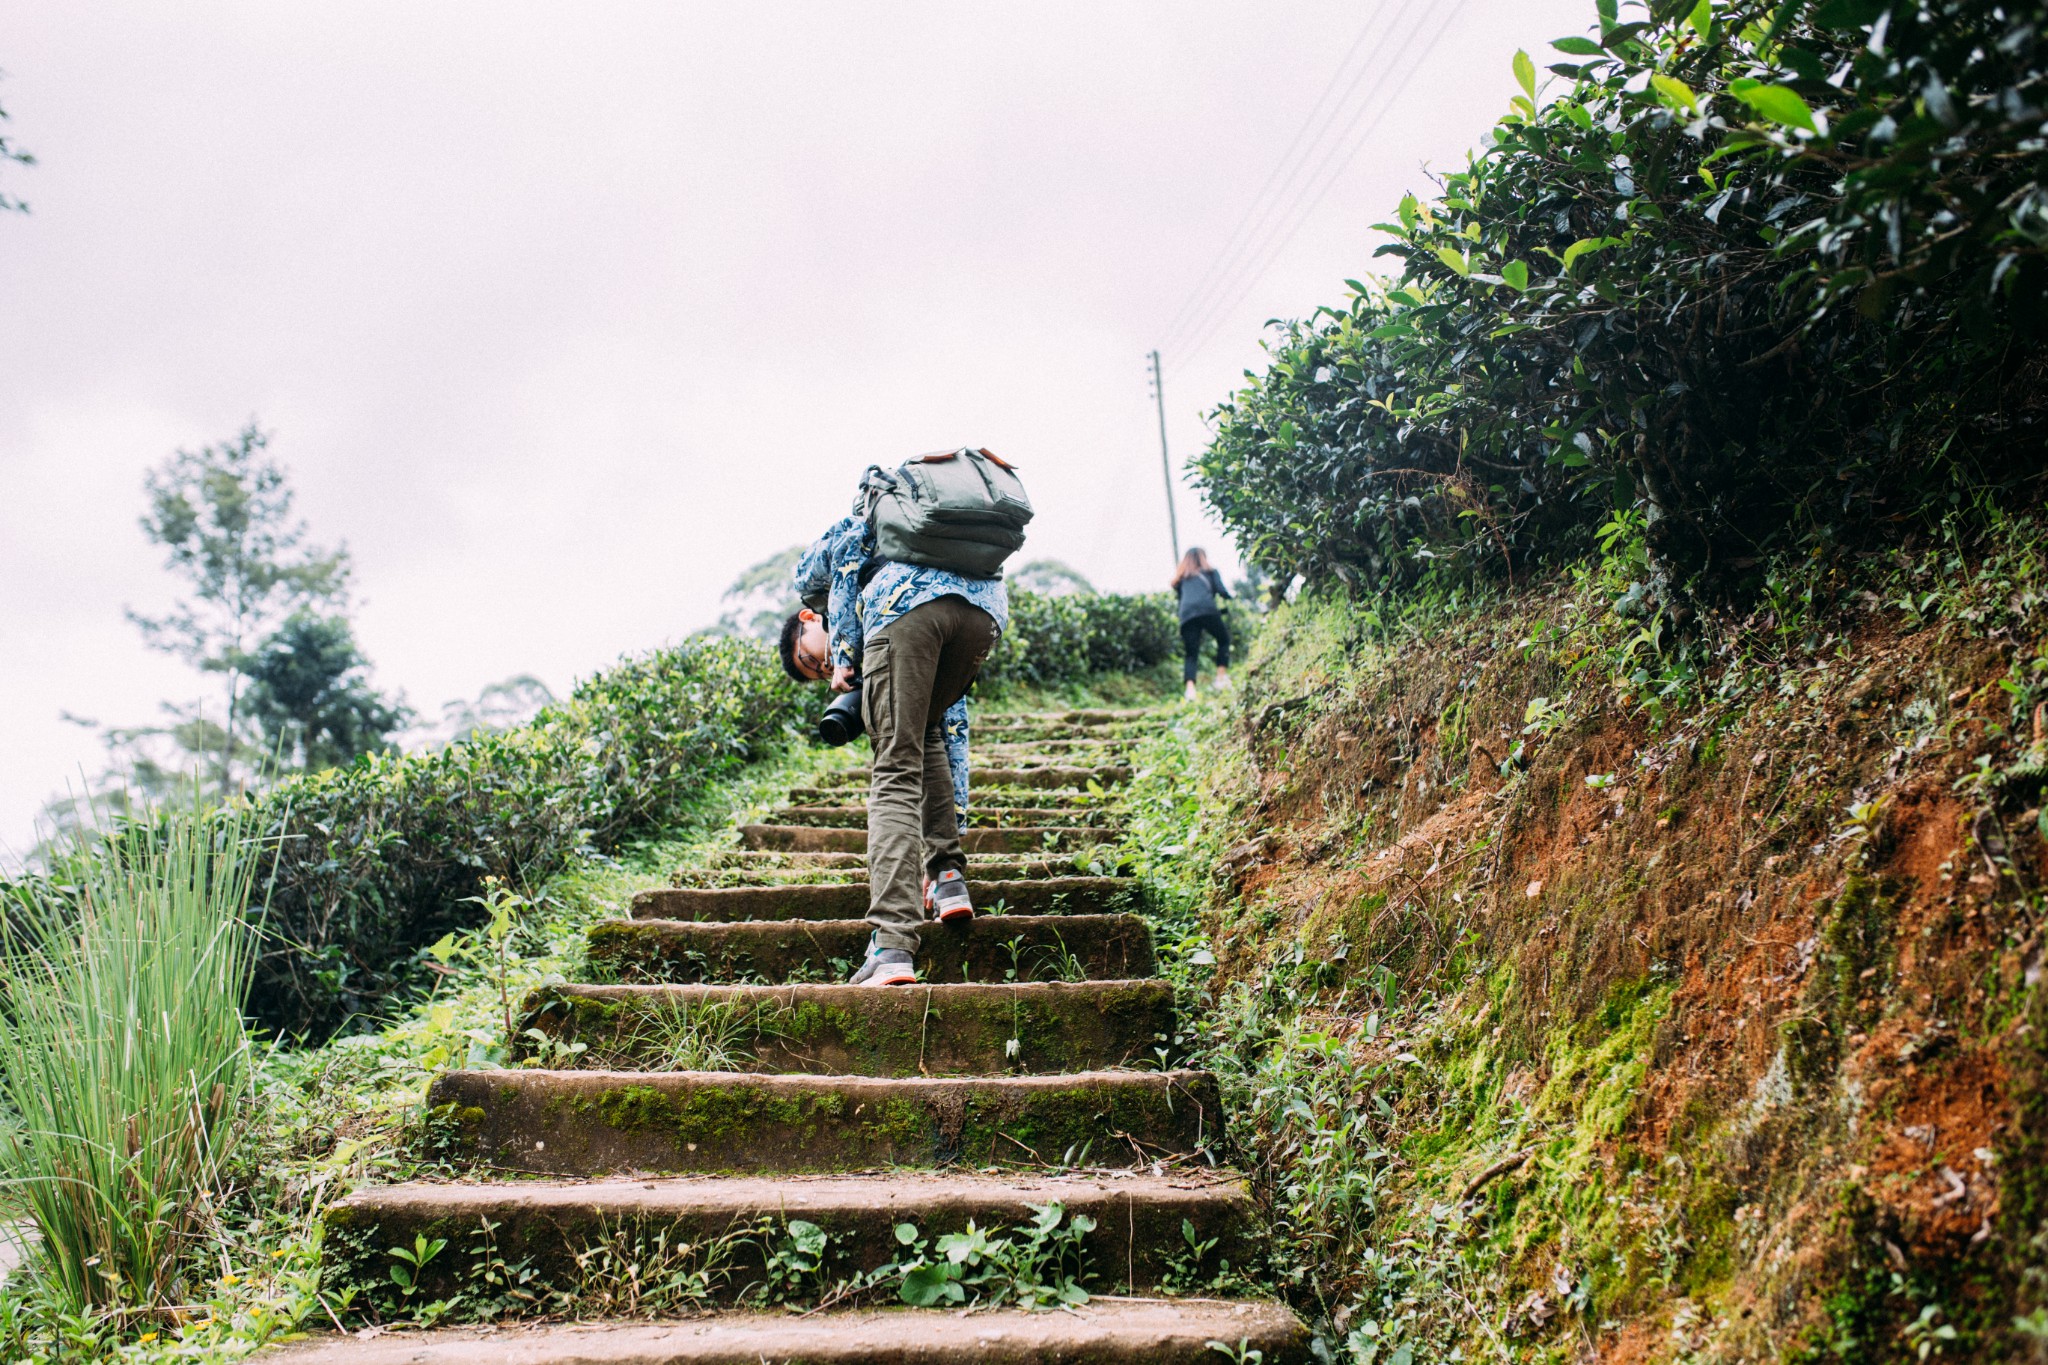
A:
911	671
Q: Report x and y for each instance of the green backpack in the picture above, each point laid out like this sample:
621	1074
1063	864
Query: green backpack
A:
963	510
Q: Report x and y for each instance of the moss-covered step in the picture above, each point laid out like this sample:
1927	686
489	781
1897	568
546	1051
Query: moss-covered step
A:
934	1030
854	815
554	1233
990	948
1080	716
814	839
604	1122
849	900
1114	1331
1045	865
985	798
993	867
1046	776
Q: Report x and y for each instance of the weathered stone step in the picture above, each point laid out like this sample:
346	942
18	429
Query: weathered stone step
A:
1085	716
1037	753
853	868
991	948
1056	865
736	1223
1050	775
984	798
849	900
824	839
601	1122
934	1030
1102	1332
855	816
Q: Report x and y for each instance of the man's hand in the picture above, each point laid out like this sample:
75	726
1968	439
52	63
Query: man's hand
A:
842	678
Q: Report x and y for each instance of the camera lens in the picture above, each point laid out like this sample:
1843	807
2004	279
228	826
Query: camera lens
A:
841	723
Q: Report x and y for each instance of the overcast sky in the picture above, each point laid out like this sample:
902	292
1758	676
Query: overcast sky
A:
562	315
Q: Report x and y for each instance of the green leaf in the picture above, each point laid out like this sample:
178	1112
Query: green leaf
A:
1778	103
1585	246
1515	274
1579	47
926	1285
1674	93
1456	260
1701	18
1525	73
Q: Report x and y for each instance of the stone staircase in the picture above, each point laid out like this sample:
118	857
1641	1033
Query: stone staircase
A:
711	1121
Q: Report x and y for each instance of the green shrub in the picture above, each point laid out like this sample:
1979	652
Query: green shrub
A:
1764	270
1055	640
369	864
123	1056
1130	633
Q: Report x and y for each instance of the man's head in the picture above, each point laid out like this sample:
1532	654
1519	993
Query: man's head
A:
805	647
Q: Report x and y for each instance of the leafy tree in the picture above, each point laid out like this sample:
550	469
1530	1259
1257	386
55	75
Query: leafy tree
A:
10	152
759	598
1051	578
224	514
311	699
501	706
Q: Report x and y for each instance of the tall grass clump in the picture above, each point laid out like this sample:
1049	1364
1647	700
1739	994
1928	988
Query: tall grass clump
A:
124	1057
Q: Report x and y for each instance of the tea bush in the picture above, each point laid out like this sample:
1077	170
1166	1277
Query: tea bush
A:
1054	640
367	865
1762	270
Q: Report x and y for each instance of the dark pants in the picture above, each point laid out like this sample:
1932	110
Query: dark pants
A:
911	671
1191	643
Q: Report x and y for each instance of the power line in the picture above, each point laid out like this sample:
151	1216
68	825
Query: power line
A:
1315	112
1282	187
1220	316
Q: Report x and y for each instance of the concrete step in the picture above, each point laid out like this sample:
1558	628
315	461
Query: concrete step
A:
602	1122
1036	1028
991	948
732	1225
1103	1332
1029	753
852	867
1059	866
1080	717
984	798
823	839
854	815
849	900
1035	777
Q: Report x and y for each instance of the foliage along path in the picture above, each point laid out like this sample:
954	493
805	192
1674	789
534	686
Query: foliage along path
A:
714	1133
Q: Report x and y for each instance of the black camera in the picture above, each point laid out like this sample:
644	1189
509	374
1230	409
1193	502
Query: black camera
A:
841	723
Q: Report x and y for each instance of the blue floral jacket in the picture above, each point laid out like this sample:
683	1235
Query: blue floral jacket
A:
831	568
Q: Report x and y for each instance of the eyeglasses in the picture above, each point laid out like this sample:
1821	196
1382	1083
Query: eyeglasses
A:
810	663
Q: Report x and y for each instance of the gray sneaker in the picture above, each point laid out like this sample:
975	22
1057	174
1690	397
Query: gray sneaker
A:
886	967
947	899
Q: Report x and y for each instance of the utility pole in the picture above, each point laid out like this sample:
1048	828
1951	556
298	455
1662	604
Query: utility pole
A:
1165	461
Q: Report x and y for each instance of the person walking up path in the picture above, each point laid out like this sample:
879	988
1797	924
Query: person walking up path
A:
912	638
1202	594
